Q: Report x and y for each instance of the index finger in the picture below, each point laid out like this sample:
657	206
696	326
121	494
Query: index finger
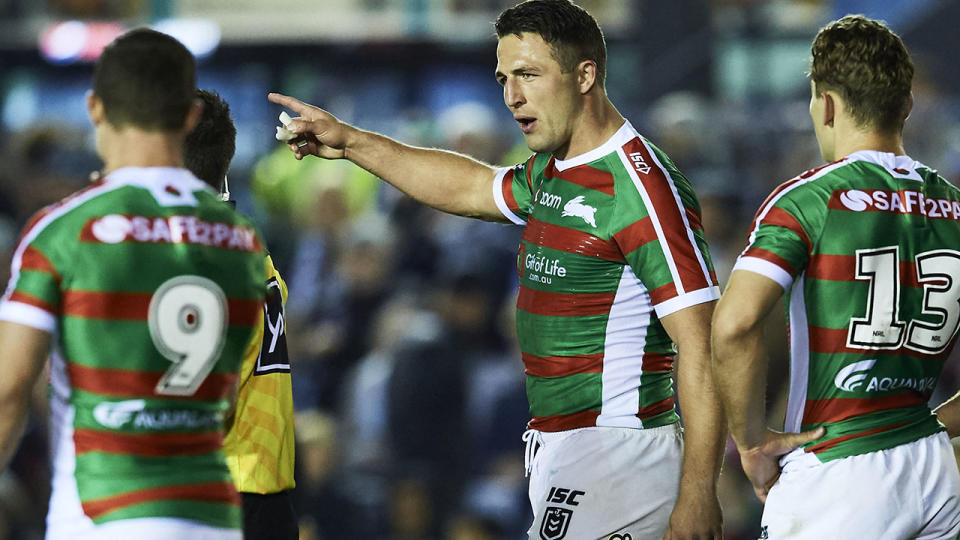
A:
293	104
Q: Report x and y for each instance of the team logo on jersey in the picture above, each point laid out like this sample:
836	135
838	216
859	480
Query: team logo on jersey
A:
764	533
904	201
856	200
556	521
576	208
625	536
114	414
118	228
134	413
853	375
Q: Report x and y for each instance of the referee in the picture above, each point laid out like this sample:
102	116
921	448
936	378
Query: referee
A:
259	444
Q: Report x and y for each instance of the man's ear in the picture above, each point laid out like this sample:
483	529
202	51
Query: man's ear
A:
193	116
909	107
586	75
95	108
829	109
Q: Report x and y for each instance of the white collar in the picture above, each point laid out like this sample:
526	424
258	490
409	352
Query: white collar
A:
898	166
625	134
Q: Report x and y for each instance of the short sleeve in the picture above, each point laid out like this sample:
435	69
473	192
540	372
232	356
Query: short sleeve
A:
33	296
779	245
513	191
664	242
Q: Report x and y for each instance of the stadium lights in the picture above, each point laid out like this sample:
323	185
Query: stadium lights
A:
68	42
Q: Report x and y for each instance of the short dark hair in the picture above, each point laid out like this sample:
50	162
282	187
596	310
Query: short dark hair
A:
208	149
869	66
146	79
571	32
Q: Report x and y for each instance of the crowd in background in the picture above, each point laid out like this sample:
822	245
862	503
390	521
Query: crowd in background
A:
407	381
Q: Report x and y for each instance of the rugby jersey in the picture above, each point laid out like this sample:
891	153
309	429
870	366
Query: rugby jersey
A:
260	444
151	287
868	252
612	243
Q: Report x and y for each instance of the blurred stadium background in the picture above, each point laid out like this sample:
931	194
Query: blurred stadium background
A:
409	393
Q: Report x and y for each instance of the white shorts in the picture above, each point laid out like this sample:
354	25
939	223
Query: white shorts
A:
908	491
605	482
150	529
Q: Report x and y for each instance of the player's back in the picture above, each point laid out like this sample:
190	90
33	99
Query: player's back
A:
876	311
155	286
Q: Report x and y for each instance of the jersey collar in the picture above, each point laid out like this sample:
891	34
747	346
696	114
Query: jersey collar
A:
898	166
170	186
623	135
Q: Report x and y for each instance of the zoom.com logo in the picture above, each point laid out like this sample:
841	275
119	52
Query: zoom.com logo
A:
856	200
853	375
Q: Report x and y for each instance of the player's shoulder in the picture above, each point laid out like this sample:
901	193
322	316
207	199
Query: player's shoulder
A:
816	183
50	219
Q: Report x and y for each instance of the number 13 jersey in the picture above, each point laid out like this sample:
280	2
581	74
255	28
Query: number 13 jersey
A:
868	250
151	287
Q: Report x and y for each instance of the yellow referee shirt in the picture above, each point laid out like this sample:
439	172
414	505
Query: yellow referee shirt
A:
260	444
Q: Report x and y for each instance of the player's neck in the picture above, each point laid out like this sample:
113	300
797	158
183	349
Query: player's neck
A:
131	147
857	140
597	123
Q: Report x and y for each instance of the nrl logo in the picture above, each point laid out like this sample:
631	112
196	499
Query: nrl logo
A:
575	207
556	521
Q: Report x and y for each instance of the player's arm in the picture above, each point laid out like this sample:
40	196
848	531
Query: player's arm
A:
740	372
739	362
949	415
445	180
704	430
24	350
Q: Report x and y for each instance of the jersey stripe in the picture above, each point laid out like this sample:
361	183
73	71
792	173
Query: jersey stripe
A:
781	218
570	241
668	216
824	446
657	362
563	305
563	422
799	337
136	307
635	235
844	268
834	341
583	176
34	260
31	300
559	366
146	444
127	383
215	492
655	409
822	411
625	339
771	257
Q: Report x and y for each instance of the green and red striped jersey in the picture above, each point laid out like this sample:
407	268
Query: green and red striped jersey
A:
868	250
612	243
151	287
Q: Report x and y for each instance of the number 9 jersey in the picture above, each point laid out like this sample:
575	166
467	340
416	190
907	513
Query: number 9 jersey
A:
868	250
152	288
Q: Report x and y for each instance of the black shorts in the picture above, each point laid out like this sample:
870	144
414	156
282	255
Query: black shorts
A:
269	517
